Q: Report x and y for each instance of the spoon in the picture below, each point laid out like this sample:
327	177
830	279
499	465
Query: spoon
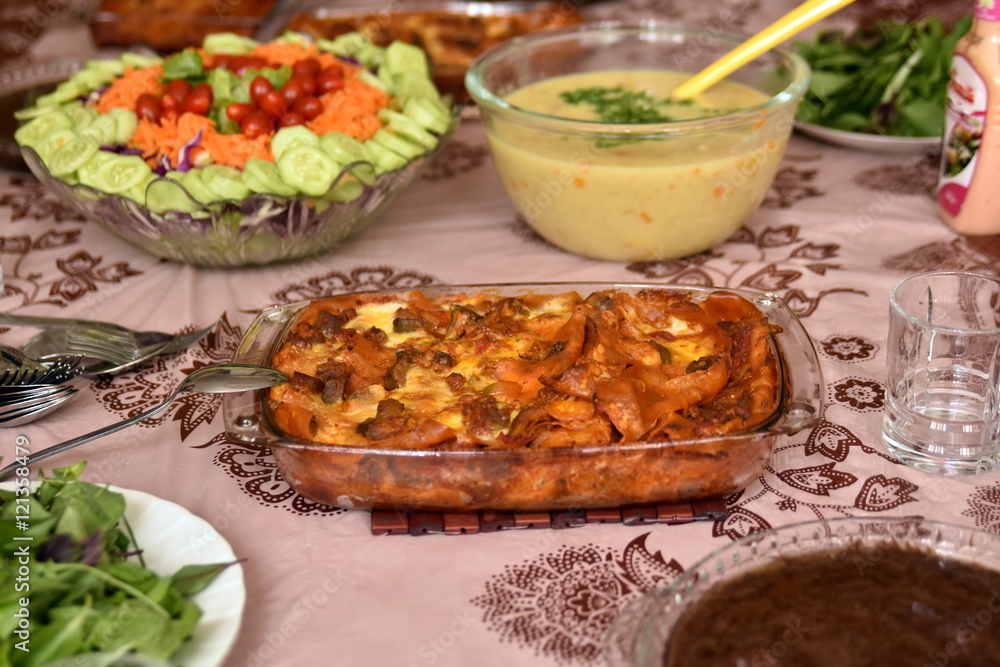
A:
217	379
28	407
788	25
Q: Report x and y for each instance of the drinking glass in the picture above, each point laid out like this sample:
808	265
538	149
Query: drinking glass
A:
943	376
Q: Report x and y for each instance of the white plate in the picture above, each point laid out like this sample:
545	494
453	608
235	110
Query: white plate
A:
171	537
869	142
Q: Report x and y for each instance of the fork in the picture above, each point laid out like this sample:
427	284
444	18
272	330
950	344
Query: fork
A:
140	339
104	347
17	368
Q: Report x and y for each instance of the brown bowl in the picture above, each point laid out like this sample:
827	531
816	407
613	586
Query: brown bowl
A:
594	476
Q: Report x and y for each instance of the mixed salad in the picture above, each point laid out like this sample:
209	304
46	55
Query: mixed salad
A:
890	80
290	118
89	593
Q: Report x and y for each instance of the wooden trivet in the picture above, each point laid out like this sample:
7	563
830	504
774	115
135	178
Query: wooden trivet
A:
404	522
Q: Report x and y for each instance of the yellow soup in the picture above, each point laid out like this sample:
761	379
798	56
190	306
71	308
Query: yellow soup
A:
635	199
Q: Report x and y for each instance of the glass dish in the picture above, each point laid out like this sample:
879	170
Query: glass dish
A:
261	229
641	633
645	472
452	32
172	25
673	187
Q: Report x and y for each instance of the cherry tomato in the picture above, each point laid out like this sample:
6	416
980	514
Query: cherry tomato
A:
222	60
238	64
308	107
259	87
169	103
273	103
307	83
238	111
333	70
309	67
291	91
148	107
256	124
256	62
199	100
328	82
177	89
291	118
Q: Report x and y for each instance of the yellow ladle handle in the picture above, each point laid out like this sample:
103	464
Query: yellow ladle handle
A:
791	23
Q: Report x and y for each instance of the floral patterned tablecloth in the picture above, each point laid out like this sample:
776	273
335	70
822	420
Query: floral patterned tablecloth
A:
837	229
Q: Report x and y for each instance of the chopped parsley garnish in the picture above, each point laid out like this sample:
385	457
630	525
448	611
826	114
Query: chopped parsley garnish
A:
618	105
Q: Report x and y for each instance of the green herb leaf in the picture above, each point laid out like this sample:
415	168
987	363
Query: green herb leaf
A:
186	64
890	80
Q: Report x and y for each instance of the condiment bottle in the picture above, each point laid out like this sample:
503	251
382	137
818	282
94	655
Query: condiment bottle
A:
969	187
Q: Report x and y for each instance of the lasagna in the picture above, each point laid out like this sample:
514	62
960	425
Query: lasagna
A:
481	371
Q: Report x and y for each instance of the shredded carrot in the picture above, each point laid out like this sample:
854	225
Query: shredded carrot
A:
352	110
235	149
125	90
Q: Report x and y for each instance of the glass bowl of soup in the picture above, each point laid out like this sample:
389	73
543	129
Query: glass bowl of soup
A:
598	158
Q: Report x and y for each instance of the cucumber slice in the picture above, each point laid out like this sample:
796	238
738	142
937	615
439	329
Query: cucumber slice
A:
37	129
125	123
137	193
396	144
263	177
120	173
110	68
52	144
346	150
411	85
402	57
385	159
88	171
72	155
104	129
138	61
308	169
196	188
430	114
80	115
292	37
167	194
67	91
229	43
408	128
29	113
224	181
347	189
375	82
290	137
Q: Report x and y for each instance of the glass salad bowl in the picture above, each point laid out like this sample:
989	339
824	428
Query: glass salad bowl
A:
261	229
183	157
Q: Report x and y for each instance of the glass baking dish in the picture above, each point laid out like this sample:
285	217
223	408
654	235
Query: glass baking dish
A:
453	32
531	478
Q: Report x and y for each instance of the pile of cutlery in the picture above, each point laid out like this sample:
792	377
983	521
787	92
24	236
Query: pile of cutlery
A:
36	378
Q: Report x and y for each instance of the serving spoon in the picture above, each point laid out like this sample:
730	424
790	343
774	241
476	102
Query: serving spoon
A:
217	379
788	25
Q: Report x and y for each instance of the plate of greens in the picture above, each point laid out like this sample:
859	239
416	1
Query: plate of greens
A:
882	88
149	582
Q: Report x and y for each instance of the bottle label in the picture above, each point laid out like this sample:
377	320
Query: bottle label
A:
988	10
963	131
